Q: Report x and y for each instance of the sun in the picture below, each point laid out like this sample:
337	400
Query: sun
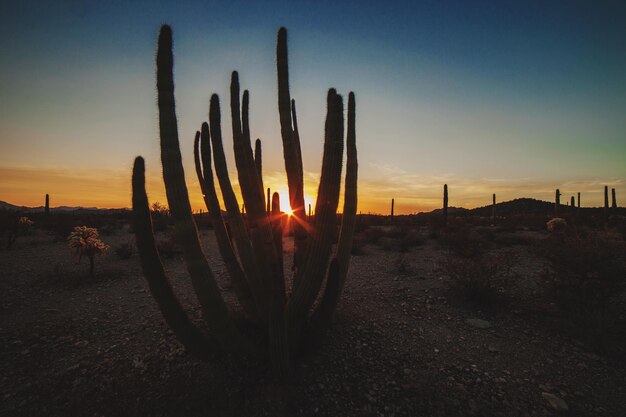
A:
289	211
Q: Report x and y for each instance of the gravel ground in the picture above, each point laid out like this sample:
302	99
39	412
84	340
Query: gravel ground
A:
402	345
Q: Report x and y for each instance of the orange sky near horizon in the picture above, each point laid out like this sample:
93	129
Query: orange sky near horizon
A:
110	188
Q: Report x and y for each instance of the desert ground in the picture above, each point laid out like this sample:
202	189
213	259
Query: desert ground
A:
411	337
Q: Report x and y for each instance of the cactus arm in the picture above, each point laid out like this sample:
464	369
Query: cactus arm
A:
258	162
277	232
202	146
301	237
260	227
246	170
325	219
337	278
238	228
255	174
296	143
213	306
176	318
292	154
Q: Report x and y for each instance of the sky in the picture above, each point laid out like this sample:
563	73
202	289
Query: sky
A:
507	97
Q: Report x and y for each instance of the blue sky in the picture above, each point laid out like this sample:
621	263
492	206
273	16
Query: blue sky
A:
516	98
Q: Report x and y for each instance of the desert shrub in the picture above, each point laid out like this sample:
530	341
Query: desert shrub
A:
19	227
373	234
401	265
410	239
388	244
358	244
167	247
556	225
160	216
125	250
462	241
86	242
586	278
108	229
479	280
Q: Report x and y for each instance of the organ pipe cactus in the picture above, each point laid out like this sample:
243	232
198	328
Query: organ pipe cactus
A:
286	313
47	206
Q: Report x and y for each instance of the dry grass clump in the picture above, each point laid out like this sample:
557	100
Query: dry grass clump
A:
125	250
481	279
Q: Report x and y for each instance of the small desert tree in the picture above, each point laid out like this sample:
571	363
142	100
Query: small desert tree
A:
86	242
21	226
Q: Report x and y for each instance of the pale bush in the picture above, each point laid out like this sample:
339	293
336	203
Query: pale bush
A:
556	225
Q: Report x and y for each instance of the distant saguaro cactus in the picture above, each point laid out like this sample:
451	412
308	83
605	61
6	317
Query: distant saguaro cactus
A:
557	202
254	258
393	202
579	201
493	208
572	202
445	204
613	199
606	202
47	207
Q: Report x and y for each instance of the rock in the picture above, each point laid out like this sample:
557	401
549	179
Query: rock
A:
479	323
554	403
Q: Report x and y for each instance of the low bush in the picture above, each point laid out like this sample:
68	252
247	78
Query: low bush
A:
479	280
125	250
586	277
167	247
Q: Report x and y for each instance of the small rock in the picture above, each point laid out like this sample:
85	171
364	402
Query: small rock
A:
554	403
479	323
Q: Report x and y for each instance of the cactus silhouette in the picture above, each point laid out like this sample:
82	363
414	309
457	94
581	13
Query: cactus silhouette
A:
613	199
493	208
47	207
606	202
579	200
557	202
254	256
393	202
445	204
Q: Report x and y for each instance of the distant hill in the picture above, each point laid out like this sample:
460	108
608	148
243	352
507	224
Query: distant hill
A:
8	206
513	207
517	206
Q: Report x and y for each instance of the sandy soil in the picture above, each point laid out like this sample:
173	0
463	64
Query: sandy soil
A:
401	344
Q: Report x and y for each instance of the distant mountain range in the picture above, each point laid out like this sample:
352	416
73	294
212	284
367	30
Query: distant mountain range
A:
517	206
8	206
